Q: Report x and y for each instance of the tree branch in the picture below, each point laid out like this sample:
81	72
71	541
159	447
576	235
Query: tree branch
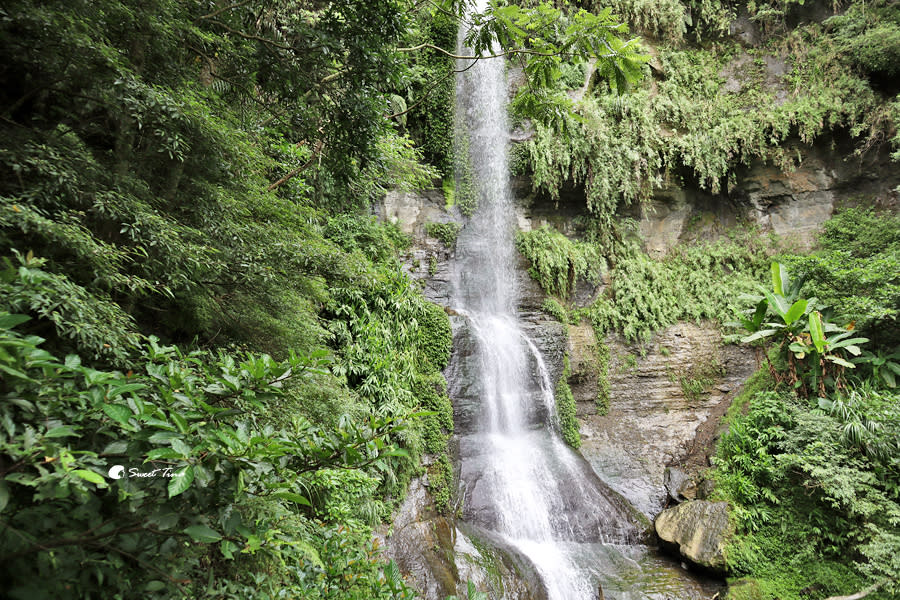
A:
76	541
425	45
221	10
248	36
299	169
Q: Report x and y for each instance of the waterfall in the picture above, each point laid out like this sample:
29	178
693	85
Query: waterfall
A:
519	482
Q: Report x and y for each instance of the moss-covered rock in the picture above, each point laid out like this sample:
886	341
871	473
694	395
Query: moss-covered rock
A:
701	530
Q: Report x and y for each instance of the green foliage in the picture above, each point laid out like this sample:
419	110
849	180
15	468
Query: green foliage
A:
816	351
556	261
540	37
552	307
435	336
93	323
465	187
699	378
431	391
440	482
666	20
223	478
868	34
857	271
472	593
817	476
812	483
445	232
431	122
702	281
687	127
565	408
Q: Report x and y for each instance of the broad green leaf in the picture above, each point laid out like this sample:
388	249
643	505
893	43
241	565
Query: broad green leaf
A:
292	497
154	586
181	480
840	361
161	437
778	304
815	331
795	312
117	447
16	373
202	533
4	495
848	344
759	314
779	278
61	431
181	448
118	413
126	388
163	453
180	422
8	321
763	333
94	478
228	548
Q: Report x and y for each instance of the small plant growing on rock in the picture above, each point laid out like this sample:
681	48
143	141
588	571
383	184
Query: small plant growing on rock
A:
445	232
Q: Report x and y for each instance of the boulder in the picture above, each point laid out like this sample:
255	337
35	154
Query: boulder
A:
700	529
679	484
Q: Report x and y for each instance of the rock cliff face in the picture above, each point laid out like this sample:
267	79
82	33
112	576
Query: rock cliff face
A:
657	402
437	558
793	206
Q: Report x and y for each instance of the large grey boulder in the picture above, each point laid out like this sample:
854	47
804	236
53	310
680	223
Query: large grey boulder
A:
700	529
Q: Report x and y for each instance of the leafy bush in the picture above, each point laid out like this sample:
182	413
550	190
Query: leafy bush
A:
552	307
445	232
811	482
556	261
869	36
857	271
225	481
702	281
685	127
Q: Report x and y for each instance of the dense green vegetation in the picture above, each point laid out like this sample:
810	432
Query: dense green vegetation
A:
809	463
565	407
694	282
811	469
702	112
190	283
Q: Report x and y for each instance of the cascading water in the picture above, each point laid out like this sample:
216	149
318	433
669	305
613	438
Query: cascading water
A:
522	489
522	484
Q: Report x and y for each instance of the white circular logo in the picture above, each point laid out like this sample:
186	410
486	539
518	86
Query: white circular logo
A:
117	471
